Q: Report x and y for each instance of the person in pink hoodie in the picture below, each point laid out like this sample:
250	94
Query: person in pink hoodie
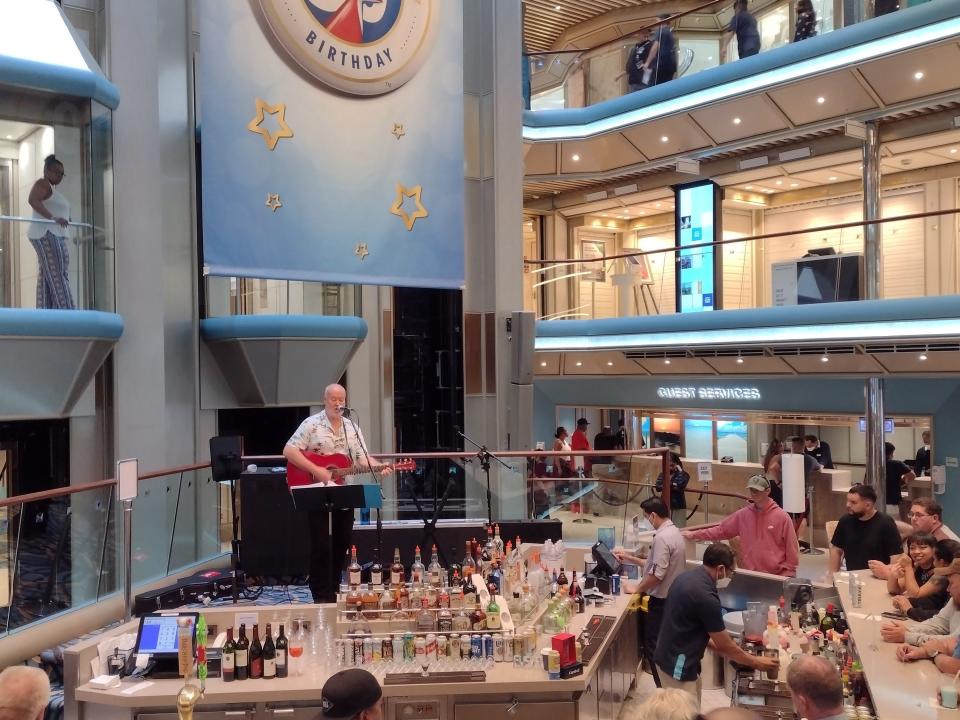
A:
768	541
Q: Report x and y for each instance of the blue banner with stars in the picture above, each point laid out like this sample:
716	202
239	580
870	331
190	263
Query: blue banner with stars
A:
332	140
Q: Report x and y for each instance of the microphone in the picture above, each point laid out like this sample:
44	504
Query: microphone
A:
345	411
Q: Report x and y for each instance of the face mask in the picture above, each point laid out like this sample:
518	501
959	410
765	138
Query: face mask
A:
723	582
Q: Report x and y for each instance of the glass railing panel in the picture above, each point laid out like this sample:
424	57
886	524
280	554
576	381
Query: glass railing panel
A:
260	296
57	556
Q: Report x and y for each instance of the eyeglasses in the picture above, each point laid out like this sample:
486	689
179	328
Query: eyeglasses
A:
917	515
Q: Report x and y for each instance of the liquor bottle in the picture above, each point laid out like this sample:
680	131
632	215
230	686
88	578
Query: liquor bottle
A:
403	598
443	598
826	622
283	667
256	655
495	578
576	592
444	620
388	602
493	614
782	617
376	571
417	569
426	620
469	591
371	602
434	571
562	578
478	618
455	567
269	656
228	658
456	593
489	552
497	541
353	569
841	626
469	565
396	570
461	621
354	600
242	662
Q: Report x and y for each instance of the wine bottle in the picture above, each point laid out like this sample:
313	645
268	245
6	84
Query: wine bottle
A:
353	569
269	656
282	662
242	661
396	570
228	658
256	655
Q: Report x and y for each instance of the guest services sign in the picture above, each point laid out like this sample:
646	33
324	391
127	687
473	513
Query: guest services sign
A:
361	47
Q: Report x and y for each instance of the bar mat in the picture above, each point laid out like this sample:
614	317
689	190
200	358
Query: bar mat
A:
438	677
592	636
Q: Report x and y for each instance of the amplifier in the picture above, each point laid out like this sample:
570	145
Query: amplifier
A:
194	588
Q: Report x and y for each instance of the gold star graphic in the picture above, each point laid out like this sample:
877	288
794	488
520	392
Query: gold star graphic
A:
397	208
398	131
256	125
361	251
273	201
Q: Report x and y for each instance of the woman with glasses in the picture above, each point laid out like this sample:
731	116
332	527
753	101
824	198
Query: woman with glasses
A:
49	238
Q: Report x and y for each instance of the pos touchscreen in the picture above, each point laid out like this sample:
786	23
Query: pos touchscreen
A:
158	635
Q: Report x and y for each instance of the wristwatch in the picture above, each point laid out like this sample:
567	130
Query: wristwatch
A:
932	654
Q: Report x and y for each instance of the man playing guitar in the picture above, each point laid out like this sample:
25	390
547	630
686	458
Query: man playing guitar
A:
328	433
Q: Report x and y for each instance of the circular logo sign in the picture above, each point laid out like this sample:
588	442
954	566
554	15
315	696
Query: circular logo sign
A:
361	47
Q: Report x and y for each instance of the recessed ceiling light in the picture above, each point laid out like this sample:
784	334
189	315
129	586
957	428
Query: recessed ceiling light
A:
575	157
737	121
739	360
609	363
643	212
832	178
767	190
824	358
543	363
9	137
918	75
709	57
821	100
603	214
748	187
794	184
666	361
657	204
664	138
779	182
557	8
579	364
923	356
953	151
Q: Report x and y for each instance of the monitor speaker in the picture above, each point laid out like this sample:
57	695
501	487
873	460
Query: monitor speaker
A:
523	331
226	457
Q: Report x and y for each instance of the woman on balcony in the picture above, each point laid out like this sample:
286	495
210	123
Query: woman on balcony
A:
49	238
806	21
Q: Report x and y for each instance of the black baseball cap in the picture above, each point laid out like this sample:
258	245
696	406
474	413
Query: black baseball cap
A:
348	693
582	421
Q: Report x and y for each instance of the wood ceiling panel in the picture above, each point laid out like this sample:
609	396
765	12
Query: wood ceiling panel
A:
895	80
842	95
544	23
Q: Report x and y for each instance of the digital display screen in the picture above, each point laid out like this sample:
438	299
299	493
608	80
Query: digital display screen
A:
696	228
158	634
887	425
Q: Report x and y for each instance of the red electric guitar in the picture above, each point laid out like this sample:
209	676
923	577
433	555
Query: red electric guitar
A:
339	465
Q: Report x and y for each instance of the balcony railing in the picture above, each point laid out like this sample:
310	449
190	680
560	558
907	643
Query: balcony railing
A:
584	77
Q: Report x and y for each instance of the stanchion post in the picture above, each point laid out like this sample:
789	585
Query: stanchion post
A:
127	474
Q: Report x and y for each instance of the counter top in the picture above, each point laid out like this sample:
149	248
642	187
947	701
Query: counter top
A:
502	678
899	690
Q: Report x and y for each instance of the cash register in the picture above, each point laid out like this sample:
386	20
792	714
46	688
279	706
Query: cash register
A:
158	641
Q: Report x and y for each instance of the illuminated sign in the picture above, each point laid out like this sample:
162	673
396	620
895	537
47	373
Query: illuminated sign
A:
697	216
706	392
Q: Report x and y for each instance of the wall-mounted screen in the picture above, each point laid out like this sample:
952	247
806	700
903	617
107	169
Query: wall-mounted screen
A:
697	212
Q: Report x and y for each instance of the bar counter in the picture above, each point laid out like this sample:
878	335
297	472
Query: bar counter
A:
899	690
595	695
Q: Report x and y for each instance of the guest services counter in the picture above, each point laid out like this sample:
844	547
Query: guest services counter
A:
509	691
899	690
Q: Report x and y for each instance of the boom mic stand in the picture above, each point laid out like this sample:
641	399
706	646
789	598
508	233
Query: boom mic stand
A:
484	456
348	414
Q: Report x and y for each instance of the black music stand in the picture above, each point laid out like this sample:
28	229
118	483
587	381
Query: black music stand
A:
327	498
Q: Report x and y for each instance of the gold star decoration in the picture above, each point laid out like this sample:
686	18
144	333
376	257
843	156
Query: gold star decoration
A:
361	251
256	125
397	208
273	201
398	131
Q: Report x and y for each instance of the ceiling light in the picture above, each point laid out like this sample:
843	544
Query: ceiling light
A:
557	8
579	364
953	151
664	138
737	121
779	182
739	359
824	358
657	204
575	157
923	356
767	190
748	187
832	178
609	363
918	75
709	57
543	363
821	100
643	212
794	184
666	361
9	137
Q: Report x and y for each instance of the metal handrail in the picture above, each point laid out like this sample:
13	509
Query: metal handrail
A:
45	221
55	492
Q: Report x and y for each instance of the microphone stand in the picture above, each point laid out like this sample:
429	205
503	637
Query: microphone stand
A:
347	414
484	456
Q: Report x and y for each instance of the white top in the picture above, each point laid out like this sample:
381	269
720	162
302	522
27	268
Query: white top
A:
58	206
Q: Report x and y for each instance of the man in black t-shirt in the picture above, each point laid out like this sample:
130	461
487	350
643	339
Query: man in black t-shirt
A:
691	618
863	534
898	475
921	463
744	25
818	450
